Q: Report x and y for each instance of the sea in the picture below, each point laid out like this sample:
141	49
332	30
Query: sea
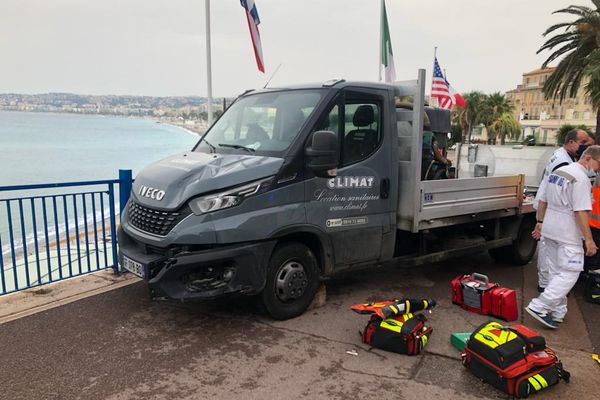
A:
40	148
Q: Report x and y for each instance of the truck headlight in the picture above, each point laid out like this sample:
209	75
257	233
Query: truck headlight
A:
230	198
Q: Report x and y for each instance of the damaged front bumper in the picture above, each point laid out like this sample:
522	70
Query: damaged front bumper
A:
189	273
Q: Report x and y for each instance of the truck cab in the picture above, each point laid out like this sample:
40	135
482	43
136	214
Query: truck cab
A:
291	186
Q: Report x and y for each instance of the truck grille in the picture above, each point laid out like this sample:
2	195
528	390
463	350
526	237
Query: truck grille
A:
154	221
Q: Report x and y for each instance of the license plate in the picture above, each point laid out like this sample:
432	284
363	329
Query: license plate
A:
133	266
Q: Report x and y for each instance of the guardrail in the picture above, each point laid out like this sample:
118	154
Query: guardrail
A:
61	233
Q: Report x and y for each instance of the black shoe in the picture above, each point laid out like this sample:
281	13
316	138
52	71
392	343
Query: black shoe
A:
541	289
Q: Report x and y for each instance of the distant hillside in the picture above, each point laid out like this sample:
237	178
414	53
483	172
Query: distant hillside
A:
187	107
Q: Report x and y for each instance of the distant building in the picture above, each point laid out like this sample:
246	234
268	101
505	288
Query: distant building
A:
542	118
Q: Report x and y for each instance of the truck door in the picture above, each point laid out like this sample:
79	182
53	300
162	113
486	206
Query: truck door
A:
354	207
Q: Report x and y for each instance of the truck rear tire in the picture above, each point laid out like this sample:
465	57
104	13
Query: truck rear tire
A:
521	251
292	281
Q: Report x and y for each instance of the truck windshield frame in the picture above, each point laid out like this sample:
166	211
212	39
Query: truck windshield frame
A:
267	123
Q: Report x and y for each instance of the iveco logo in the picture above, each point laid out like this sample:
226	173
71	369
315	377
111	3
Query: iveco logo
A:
151	193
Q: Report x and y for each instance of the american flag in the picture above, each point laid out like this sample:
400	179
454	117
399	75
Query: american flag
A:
439	87
253	21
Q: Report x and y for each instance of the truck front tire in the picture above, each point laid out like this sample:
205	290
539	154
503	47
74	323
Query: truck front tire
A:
292	281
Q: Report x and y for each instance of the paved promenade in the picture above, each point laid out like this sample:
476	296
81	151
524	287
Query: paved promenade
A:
120	345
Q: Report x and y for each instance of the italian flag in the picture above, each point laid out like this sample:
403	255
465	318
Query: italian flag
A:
387	56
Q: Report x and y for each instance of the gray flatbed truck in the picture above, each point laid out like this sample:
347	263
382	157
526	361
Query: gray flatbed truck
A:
291	186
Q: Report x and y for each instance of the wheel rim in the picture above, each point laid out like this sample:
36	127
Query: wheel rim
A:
291	281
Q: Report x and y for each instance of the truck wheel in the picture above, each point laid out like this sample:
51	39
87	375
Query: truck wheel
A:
521	251
292	281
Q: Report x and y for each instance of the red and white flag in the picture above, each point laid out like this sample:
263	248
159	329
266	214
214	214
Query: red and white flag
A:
253	22
442	90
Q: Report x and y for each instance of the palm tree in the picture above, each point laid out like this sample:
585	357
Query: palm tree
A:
576	43
471	115
592	88
497	103
495	106
561	133
505	126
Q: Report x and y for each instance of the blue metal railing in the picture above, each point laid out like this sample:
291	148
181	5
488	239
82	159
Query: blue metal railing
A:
48	237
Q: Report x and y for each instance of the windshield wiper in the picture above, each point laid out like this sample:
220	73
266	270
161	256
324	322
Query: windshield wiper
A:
237	146
213	149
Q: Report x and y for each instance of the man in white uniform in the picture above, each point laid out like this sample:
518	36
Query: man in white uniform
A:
565	200
576	141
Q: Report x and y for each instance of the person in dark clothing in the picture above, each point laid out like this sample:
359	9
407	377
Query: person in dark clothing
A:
434	164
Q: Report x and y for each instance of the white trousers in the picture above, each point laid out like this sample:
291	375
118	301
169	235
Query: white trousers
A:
543	264
564	262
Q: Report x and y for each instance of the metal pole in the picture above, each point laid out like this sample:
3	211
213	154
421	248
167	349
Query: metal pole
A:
208	66
125	180
436	104
380	39
113	227
416	152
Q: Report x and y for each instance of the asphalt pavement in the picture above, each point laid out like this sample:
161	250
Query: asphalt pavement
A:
121	345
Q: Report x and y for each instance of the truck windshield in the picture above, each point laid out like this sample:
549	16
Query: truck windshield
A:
264	123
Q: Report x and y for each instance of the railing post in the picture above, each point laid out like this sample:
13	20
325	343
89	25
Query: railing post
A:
113	226
125	182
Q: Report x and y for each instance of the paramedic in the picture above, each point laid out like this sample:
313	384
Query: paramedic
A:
576	141
564	202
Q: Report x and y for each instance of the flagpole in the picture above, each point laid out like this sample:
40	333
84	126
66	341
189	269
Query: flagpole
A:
432	72
208	66
380	38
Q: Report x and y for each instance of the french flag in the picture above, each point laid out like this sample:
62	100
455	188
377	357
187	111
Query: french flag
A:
253	21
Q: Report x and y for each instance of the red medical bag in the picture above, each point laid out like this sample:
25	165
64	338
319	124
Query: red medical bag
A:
513	358
404	334
475	293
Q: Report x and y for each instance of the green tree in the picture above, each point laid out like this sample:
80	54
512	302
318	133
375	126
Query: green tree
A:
456	134
472	115
562	132
494	109
575	41
497	104
592	88
505	126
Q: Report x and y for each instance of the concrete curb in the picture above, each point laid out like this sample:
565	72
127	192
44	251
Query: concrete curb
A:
31	301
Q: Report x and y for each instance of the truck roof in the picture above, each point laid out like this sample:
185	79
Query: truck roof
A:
333	83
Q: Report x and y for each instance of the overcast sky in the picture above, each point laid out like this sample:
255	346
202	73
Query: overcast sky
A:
157	47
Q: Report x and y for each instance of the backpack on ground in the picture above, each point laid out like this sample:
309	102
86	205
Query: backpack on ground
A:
403	334
514	359
394	327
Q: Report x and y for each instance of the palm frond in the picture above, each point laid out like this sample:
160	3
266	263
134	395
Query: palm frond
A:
559	52
566	78
555	27
574	10
570	38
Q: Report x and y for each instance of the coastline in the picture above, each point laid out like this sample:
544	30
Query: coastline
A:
195	130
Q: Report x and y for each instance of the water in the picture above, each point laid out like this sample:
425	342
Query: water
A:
50	147
47	147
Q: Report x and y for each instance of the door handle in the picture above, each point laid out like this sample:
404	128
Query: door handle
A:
384	188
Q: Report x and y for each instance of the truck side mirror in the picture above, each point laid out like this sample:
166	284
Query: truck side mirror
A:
322	154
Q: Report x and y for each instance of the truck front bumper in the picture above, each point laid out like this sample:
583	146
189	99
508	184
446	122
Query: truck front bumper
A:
199	275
